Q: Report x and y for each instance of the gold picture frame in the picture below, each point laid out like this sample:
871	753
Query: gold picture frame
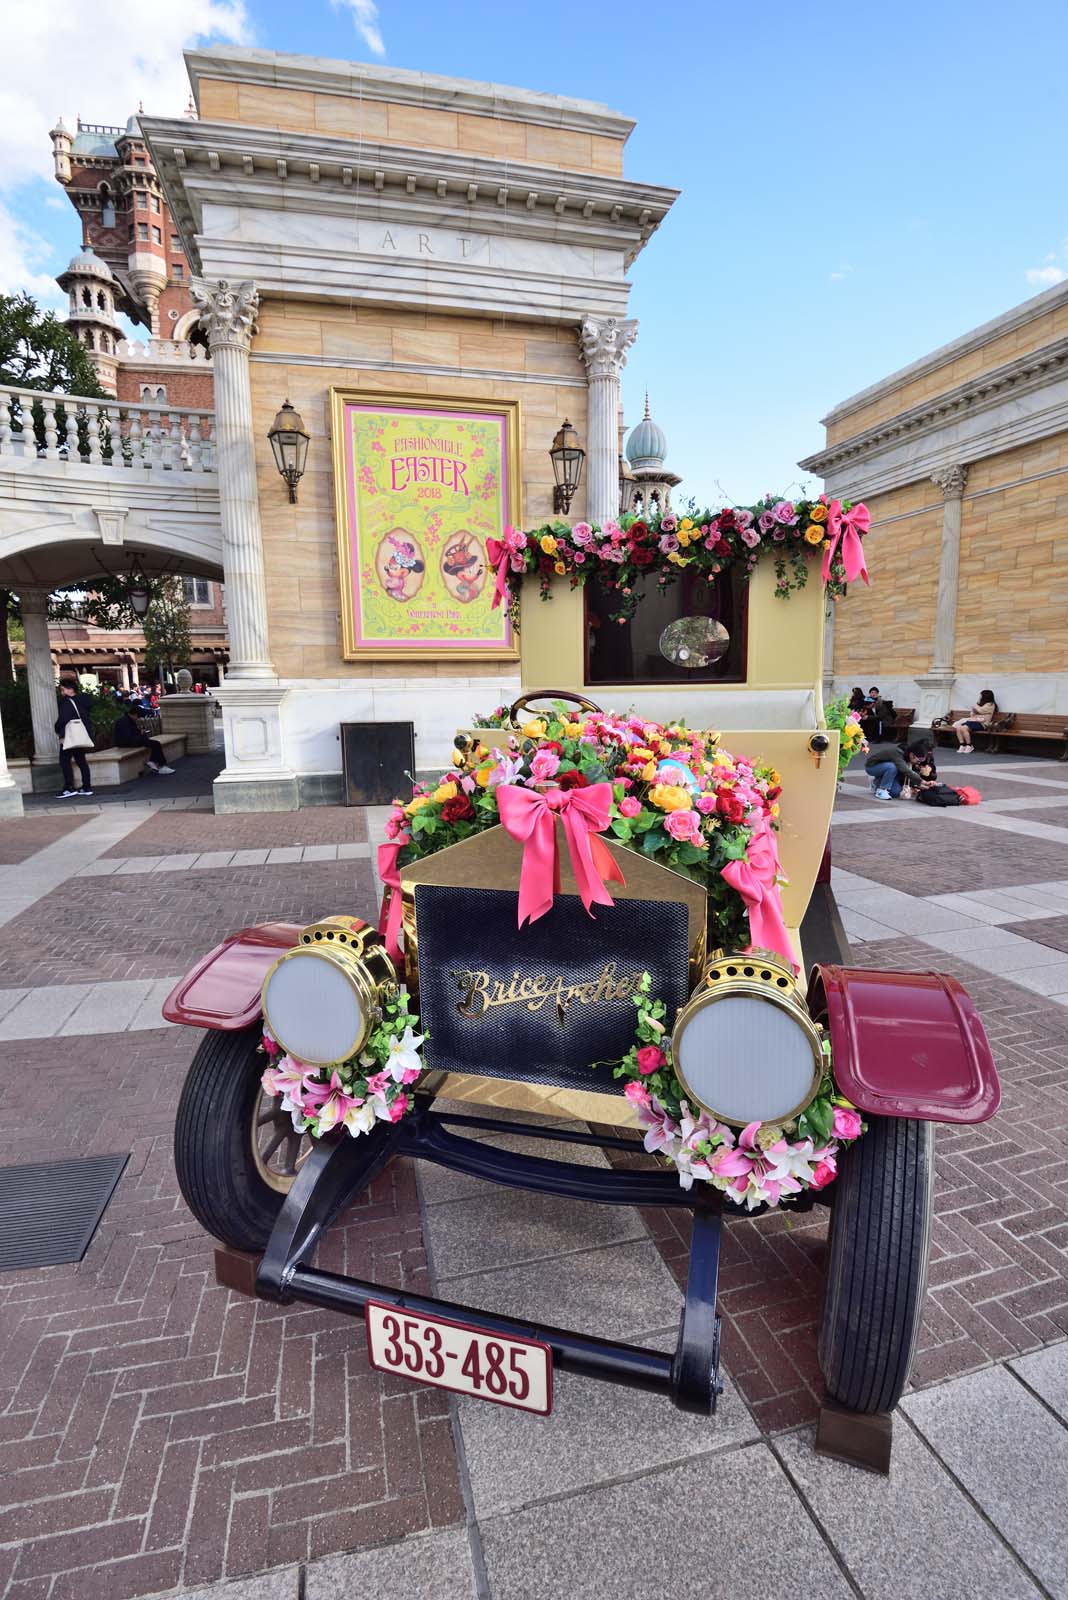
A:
391	550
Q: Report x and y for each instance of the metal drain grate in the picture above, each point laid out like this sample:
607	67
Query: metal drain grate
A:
49	1210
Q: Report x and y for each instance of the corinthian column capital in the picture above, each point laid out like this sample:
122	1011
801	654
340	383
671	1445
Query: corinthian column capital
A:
227	312
605	342
951	480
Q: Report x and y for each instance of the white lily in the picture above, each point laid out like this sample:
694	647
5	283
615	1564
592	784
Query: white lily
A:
404	1055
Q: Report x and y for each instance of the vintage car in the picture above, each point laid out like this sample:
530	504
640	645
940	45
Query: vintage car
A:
561	962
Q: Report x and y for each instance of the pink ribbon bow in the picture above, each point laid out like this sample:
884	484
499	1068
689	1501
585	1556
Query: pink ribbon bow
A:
389	919
845	528
500	552
530	817
754	878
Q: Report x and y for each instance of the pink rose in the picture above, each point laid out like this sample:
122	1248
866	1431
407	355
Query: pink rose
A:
517	563
579	557
398	1108
669	543
650	1058
750	537
613	552
766	521
846	1123
742	519
824	1172
638	1094
582	533
544	765
680	825
785	513
706	803
269	1045
669	523
629	807
410	1074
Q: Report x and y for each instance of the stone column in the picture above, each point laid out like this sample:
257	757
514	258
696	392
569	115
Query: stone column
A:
828	649
936	687
605	342
256	776
10	793
228	316
41	678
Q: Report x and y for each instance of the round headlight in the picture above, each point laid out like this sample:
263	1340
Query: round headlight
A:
745	1048
321	999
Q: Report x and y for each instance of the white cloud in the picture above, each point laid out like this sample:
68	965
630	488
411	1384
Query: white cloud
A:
365	17
99	67
24	260
840	272
1044	276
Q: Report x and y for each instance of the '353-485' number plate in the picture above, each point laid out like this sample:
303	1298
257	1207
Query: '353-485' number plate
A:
455	1355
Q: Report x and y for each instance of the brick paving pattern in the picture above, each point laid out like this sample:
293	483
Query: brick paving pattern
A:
1052	931
21	839
92	929
156	1429
935	860
178	832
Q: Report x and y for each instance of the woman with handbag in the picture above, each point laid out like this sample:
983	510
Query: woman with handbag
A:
74	727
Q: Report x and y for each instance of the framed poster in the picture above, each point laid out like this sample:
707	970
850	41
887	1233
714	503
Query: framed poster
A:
420	484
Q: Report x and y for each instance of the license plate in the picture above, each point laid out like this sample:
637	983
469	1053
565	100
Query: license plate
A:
454	1355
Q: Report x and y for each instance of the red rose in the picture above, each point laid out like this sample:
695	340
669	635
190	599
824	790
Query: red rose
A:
773	794
638	531
643	558
551	744
726	519
545	564
458	810
723	547
650	1058
573	779
729	805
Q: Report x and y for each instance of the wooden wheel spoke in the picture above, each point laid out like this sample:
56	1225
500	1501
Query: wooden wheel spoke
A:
279	1139
270	1115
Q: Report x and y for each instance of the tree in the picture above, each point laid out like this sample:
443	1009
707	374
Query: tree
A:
37	351
166	626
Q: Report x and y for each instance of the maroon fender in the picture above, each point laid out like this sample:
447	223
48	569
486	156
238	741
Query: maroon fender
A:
906	1044
223	990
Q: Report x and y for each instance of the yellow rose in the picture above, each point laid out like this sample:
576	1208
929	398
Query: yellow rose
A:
417	804
774	777
677	560
649	771
558	566
573	729
686	524
548	544
722	759
813	536
775	809
670	797
640	753
444	791
534	729
683	536
482	776
817	513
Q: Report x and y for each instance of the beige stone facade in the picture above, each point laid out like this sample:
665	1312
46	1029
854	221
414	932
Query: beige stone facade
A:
378	230
962	459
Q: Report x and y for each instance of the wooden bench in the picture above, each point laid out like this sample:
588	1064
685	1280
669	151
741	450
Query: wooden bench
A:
114	765
903	720
1012	726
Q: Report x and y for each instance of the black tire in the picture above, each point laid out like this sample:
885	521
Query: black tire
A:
877	1263
217	1171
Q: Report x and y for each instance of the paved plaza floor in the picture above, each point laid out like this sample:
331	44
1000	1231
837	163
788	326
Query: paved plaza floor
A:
159	1434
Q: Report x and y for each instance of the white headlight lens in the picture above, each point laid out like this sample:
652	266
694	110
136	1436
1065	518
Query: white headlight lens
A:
747	1057
312	1008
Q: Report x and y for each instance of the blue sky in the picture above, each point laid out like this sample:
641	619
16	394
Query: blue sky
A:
859	184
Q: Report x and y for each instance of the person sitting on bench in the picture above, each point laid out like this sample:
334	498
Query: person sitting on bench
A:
128	736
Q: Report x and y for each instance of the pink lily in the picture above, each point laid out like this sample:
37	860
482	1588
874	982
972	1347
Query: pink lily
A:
329	1103
662	1134
288	1079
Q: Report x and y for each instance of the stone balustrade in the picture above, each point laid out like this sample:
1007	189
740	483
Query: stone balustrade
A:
179	352
105	433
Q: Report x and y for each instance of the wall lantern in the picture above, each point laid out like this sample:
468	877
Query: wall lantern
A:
567	457
289	441
138	589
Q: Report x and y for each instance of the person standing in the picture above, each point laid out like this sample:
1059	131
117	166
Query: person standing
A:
74	726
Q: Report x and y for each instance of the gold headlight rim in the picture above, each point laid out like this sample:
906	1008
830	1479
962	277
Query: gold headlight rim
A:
729	988
349	963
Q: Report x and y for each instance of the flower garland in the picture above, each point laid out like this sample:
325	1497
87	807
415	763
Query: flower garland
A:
623	553
764	1163
677	797
853	742
356	1094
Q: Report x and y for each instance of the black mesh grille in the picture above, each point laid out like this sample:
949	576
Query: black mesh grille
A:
474	931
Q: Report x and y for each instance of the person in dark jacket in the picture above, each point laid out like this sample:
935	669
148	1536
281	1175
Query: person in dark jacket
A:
128	736
888	769
73	705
